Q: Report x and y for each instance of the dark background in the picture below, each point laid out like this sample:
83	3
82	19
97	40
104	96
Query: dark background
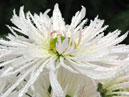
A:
114	12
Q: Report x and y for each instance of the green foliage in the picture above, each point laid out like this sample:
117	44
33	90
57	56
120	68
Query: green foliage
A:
34	5
67	96
101	90
120	21
49	89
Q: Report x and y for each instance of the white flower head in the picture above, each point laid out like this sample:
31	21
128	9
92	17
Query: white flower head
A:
73	85
48	43
118	87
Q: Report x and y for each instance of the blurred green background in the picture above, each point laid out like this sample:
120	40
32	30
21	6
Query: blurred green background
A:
114	12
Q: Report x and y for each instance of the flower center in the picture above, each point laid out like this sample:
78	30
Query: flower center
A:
53	42
60	45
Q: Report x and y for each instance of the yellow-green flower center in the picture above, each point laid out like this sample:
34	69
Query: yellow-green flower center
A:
53	42
60	41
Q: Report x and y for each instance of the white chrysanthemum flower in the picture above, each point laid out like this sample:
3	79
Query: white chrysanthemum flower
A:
48	43
73	85
118	87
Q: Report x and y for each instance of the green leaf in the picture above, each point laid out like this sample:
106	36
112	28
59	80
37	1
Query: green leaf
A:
120	21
